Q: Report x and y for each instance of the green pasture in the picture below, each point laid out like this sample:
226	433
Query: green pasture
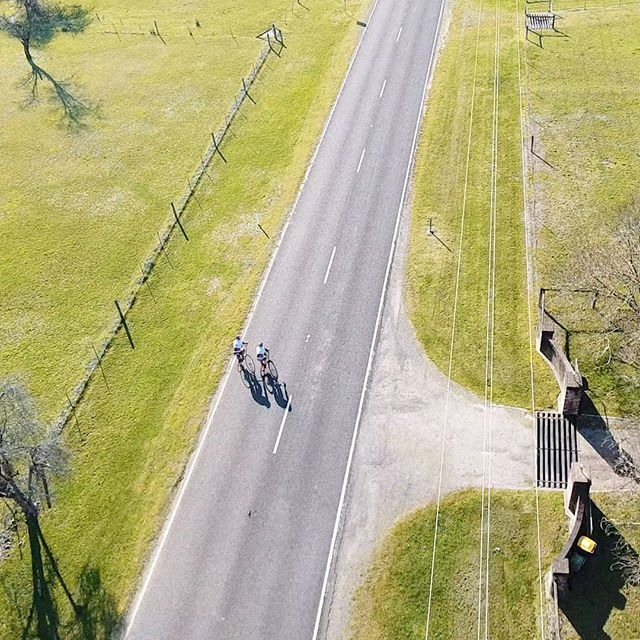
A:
392	601
584	85
79	220
443	190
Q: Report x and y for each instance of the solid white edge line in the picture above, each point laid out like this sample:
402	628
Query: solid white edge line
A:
361	159
384	84
284	419
399	32
345	480
326	275
219	393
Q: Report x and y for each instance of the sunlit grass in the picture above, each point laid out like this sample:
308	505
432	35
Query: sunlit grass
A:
134	437
443	189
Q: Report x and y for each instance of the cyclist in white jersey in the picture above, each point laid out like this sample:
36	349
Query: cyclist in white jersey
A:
262	353
239	348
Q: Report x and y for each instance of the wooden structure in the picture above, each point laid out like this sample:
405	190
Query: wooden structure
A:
577	506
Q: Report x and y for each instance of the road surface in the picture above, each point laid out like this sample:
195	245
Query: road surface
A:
245	551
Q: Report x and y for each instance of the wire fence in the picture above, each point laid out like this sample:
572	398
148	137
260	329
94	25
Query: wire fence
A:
274	45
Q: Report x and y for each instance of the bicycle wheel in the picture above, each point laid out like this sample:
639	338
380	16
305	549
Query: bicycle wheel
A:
273	372
247	378
249	365
269	384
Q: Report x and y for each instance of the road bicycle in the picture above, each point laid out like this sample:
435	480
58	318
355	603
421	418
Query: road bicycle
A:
245	363
267	365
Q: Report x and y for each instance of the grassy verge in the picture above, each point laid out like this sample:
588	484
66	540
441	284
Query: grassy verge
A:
583	100
392	601
444	191
134	435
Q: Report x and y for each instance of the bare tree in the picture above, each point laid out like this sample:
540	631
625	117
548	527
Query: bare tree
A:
30	453
608	267
625	558
625	453
34	24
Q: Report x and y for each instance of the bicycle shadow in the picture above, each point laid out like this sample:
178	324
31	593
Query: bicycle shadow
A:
258	389
264	385
280	393
273	385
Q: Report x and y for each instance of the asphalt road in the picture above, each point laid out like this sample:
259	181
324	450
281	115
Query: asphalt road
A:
244	554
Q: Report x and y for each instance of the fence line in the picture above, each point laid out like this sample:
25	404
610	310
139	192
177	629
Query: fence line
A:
275	40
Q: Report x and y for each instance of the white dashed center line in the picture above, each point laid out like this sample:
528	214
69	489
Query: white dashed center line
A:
361	159
384	84
284	419
326	275
398	36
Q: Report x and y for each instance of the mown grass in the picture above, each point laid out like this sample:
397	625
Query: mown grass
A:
392	601
439	192
585	112
134	436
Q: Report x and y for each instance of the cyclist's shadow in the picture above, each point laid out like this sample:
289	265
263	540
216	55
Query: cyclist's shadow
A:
258	392
280	393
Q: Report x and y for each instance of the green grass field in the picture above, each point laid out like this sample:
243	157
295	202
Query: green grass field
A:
583	98
443	191
134	436
392	602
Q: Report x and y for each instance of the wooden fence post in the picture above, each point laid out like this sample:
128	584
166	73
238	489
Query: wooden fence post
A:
100	365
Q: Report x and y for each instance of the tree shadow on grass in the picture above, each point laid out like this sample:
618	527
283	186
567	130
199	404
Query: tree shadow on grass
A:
75	109
93	614
597	588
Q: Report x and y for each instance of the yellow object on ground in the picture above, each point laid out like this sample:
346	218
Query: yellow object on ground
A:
587	544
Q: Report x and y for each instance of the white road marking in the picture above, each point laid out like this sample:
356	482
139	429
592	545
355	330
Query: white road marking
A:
326	275
203	436
308	336
361	159
354	437
398	36
384	84
284	419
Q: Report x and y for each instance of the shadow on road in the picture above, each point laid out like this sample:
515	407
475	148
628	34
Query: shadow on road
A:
280	393
262	387
258	390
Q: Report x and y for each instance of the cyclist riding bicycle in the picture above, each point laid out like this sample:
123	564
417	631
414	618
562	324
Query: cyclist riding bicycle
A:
262	353
239	348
